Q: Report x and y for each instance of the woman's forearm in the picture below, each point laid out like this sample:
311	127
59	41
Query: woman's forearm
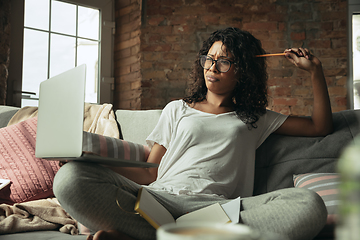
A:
143	176
322	114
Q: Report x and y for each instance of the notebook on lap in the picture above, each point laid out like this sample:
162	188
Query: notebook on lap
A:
60	121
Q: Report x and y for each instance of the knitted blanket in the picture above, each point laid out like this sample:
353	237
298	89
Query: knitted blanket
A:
44	214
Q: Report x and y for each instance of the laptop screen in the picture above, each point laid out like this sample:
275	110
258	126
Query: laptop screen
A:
61	114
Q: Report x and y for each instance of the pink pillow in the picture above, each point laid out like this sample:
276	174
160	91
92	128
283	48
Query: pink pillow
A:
31	177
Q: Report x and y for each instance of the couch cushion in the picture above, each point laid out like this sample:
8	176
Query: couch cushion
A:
136	126
31	177
279	157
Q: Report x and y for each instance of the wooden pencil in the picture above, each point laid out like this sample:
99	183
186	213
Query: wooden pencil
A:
271	55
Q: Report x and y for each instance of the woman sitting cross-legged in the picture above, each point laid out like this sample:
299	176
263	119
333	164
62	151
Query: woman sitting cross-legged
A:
205	146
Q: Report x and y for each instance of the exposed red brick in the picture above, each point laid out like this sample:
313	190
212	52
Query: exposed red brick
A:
155	38
127	44
126	61
153	74
162	11
173	31
298	36
135	85
128	28
300	111
333	34
155	20
302	92
182	19
130	77
339	43
127	10
341	81
282	91
341	101
123	70
210	19
337	91
135	67
285	101
172	38
165	30
152	56
269	26
320	43
122	54
156	48
135	49
327	26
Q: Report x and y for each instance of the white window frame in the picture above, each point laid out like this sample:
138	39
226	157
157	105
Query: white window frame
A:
353	8
106	79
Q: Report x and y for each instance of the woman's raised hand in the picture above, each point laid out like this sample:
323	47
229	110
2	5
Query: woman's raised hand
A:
302	58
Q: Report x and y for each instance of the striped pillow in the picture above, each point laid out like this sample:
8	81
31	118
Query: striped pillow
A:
324	184
114	147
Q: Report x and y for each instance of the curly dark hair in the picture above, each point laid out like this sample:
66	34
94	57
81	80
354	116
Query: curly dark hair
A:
250	93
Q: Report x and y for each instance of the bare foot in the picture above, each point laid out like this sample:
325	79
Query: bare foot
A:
109	235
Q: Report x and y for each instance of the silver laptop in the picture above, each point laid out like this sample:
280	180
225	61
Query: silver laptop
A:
60	121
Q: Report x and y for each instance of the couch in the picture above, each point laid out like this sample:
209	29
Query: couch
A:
279	160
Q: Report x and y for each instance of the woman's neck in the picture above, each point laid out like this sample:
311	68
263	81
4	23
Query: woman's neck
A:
219	100
215	104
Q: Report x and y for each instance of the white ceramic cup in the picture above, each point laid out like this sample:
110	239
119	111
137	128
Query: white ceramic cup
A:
205	230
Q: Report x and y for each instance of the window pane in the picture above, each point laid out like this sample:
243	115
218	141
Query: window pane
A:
88	21
88	53
29	103
63	17
62	54
37	14
356	46
356	59
69	25
35	60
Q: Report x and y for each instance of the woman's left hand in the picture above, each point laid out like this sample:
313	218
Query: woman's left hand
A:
302	58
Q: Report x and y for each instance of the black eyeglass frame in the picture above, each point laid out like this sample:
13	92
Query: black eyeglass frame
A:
205	56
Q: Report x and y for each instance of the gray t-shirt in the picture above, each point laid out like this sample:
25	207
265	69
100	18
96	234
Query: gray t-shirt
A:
208	153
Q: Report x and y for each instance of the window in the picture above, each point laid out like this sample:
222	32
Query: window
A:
56	36
354	53
356	58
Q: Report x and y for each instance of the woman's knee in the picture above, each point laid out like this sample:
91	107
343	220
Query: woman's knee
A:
310	198
313	210
307	200
72	179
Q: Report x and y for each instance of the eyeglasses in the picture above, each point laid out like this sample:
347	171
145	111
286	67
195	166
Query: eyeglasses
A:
222	65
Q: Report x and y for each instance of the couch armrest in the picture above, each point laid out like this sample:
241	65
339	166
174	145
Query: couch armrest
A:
6	113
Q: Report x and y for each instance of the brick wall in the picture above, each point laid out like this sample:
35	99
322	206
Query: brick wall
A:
4	47
127	55
157	40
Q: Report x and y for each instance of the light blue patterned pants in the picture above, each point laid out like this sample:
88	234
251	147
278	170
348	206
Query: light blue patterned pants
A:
88	192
